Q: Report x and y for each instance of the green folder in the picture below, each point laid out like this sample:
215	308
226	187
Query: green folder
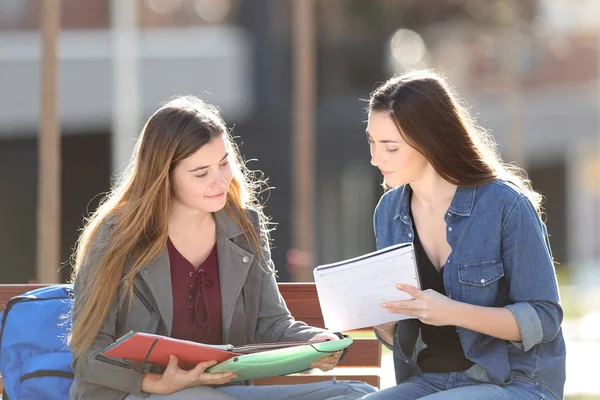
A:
281	361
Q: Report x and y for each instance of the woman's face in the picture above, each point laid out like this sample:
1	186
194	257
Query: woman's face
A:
399	163
201	181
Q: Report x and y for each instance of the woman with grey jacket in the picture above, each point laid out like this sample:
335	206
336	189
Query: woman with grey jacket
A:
179	248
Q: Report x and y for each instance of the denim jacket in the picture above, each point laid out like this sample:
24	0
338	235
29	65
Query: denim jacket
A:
500	257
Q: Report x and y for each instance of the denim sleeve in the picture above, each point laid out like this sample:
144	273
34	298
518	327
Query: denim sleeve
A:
529	270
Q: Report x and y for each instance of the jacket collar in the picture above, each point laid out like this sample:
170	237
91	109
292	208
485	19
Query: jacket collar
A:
227	225
462	202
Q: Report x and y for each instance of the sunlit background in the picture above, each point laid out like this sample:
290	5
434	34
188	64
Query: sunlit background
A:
529	69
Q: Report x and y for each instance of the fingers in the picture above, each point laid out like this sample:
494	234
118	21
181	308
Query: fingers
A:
406	311
218	378
173	362
203	366
413	291
326	335
412	303
327	363
211	378
323	366
404	305
335	357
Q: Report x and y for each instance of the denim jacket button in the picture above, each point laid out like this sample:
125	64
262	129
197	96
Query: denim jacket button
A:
410	235
404	217
482	281
449	229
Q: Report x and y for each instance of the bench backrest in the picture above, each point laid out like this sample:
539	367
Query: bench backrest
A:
303	303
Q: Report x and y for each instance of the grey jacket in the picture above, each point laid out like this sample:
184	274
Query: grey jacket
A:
253	310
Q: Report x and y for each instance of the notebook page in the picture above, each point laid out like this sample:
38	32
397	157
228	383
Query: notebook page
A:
351	292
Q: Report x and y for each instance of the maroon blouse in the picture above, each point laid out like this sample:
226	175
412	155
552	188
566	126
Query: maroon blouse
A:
196	298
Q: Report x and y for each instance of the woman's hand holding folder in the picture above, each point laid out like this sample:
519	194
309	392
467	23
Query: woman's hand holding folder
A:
330	362
175	378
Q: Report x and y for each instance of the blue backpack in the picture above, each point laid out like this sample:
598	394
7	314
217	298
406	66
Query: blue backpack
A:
35	359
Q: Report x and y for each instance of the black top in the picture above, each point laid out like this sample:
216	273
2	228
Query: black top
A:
444	352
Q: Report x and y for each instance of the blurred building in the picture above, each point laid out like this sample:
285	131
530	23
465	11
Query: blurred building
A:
530	73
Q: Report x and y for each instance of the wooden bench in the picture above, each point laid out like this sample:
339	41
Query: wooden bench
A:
362	362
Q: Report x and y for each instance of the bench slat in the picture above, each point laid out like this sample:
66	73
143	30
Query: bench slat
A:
9	291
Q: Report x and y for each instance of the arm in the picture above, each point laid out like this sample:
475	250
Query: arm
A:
86	367
534	314
493	321
434	308
529	271
385	333
275	323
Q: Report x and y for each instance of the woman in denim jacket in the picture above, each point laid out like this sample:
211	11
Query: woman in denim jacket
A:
487	321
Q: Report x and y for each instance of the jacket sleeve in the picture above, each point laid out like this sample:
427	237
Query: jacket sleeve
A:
529	269
87	368
275	323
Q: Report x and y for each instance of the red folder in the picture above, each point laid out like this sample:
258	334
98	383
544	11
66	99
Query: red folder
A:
155	349
145	347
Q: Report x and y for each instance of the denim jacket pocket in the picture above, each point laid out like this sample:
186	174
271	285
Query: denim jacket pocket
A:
479	281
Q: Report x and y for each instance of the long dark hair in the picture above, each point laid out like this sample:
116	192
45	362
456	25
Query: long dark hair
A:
431	119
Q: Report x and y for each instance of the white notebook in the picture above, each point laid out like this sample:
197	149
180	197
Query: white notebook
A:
351	292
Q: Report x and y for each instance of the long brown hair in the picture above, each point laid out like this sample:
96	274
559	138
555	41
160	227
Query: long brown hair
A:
138	208
431	119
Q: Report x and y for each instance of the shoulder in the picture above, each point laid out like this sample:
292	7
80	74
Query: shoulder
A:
504	190
391	199
499	194
254	216
506	198
102	232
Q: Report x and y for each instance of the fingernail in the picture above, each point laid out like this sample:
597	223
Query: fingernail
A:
400	286
385	305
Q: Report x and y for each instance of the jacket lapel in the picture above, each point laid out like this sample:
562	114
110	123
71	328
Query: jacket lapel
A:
157	275
234	264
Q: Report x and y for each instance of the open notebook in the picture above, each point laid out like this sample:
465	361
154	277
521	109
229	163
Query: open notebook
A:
249	361
351	291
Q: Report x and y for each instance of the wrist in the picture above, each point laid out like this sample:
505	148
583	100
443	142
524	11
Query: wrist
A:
153	383
459	313
387	330
386	333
